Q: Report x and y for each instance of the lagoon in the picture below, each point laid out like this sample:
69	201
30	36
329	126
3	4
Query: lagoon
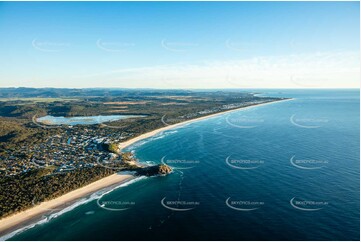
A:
84	120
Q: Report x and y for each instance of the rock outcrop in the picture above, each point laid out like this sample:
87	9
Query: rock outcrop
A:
154	170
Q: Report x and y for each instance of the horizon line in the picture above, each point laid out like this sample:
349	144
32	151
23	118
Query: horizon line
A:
150	88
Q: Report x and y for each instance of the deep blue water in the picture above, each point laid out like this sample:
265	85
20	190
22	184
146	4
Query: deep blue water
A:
292	173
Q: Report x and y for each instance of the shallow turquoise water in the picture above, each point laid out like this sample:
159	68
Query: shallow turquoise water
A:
283	171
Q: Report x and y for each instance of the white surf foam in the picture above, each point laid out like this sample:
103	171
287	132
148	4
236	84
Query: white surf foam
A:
92	197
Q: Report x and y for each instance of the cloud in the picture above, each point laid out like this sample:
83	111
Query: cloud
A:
316	70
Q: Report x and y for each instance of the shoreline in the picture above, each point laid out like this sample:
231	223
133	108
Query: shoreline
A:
17	221
127	143
32	215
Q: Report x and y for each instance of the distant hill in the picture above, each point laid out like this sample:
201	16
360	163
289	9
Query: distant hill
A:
25	92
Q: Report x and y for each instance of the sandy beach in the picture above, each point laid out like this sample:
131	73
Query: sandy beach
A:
27	217
157	131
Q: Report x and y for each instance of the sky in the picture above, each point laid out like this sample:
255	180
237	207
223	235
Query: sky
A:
180	44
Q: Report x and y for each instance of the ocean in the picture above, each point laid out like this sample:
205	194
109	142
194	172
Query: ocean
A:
283	171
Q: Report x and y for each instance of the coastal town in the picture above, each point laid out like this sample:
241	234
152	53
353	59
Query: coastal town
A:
77	147
84	146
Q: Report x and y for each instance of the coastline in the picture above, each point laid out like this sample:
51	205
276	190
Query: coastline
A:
127	143
32	215
25	218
